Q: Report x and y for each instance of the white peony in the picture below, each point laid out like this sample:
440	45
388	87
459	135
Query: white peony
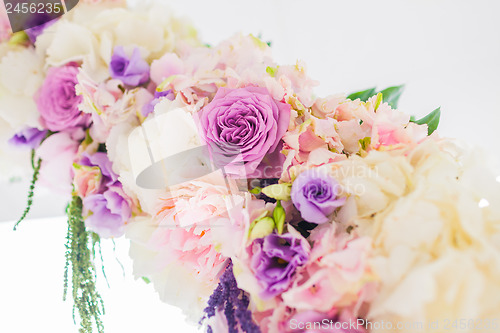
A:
21	74
434	217
89	36
14	162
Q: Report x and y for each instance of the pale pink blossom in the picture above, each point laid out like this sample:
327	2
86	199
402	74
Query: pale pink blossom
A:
336	274
183	234
109	105
165	67
312	143
86	180
57	153
5	29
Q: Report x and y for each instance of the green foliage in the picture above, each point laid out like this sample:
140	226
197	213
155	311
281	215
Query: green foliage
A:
432	120
36	172
272	71
380	97
362	95
390	95
365	143
80	253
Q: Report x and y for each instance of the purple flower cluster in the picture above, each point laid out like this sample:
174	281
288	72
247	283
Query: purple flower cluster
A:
132	71
107	208
234	302
29	137
158	96
275	260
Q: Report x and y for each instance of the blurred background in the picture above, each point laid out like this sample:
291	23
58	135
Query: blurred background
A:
447	52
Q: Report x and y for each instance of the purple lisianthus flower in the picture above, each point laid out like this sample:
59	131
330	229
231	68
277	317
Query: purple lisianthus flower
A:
150	107
107	213
101	160
132	71
57	100
315	194
275	259
246	123
29	137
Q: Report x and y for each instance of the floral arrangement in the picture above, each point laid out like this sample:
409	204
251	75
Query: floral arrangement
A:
249	202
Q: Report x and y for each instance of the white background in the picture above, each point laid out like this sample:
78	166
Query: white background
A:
447	52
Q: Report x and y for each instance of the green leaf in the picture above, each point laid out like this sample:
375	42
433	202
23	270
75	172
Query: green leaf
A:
272	71
392	95
278	191
365	143
432	120
262	228
259	42
362	95
145	279
279	217
380	97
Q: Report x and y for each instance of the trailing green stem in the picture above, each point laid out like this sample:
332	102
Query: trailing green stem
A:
31	192
80	253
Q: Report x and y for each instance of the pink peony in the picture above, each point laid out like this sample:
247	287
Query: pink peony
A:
183	234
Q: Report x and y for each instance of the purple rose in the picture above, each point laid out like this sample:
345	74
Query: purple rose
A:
29	137
131	71
57	100
275	260
107	213
248	121
315	194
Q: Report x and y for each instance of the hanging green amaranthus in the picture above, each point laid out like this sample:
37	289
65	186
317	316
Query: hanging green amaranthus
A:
80	253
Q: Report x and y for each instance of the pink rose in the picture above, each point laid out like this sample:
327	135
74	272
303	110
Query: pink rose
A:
57	100
246	123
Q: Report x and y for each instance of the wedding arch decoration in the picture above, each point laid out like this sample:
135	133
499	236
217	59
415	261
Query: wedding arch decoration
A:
249	202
